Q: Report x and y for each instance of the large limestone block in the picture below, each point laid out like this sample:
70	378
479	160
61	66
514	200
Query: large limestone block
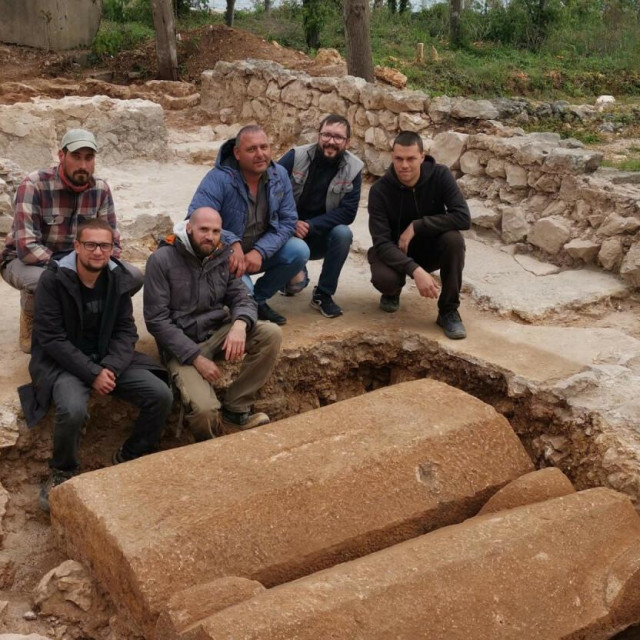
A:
447	148
514	225
289	498
559	569
572	161
550	234
30	133
585	250
536	486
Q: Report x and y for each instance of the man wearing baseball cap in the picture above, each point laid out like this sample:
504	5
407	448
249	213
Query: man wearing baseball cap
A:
47	209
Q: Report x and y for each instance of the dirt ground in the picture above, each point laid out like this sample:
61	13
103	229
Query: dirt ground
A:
29	550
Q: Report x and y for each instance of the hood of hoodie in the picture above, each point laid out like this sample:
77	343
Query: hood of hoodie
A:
69	262
426	172
227	160
182	237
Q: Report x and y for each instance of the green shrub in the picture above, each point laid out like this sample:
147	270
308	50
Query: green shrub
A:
113	37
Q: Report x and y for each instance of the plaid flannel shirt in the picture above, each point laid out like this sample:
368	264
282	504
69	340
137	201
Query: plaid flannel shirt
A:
46	215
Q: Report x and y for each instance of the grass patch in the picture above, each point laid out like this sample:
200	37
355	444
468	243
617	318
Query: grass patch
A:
114	37
624	165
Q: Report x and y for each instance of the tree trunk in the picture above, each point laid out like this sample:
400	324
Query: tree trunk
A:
403	6
358	39
312	19
267	6
165	26
455	33
377	4
392	6
230	13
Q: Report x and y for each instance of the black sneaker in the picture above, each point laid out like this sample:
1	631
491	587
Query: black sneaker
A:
232	421
390	304
57	477
452	326
324	304
265	312
119	457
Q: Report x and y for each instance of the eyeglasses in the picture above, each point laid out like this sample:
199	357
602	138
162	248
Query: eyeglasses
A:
92	246
333	136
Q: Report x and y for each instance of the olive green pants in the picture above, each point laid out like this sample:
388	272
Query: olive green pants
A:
198	396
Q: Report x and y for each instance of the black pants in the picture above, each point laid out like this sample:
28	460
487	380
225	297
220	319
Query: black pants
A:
444	252
137	386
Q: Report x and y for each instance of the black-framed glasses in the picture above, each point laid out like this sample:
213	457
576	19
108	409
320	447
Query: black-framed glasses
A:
333	136
92	246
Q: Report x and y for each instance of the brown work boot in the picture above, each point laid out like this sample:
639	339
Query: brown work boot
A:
26	326
232	422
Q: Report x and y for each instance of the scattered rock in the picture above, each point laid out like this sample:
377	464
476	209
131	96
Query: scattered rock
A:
63	589
550	234
30	615
610	254
4	501
483	216
585	250
514	225
390	76
630	268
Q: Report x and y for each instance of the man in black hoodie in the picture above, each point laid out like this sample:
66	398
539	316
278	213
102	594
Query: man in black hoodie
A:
416	213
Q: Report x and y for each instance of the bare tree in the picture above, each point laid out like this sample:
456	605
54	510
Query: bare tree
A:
358	39
230	13
455	32
165	27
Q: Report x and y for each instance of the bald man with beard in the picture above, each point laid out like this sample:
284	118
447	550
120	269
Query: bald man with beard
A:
196	309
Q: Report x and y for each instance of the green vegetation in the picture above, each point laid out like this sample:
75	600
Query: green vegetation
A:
546	49
114	37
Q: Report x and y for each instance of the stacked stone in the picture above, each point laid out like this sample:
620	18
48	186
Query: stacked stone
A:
126	129
10	177
535	190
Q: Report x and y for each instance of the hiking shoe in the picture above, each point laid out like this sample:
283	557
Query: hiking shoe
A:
324	304
390	304
452	326
232	421
265	312
57	477
119	457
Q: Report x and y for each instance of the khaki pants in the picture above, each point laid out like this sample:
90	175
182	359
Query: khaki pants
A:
199	397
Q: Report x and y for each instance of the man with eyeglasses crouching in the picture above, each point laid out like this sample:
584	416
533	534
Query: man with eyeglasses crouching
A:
84	337
326	179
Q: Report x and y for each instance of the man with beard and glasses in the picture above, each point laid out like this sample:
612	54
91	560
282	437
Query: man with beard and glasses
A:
196	308
48	207
253	196
326	181
84	338
416	213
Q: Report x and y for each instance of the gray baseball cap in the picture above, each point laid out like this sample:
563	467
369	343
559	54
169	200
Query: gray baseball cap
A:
76	139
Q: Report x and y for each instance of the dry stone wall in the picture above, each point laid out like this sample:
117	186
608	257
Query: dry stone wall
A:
535	191
30	132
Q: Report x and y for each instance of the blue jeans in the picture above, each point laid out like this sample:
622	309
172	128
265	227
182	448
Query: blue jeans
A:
334	247
279	269
138	386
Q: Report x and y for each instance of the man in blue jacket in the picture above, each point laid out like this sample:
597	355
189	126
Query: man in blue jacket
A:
254	198
326	181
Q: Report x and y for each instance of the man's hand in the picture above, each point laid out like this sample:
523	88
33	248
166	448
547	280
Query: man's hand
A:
252	261
104	383
235	341
237	260
207	368
427	286
406	237
302	229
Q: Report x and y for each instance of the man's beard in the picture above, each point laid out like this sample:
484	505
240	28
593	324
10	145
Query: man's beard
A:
199	250
335	158
79	178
